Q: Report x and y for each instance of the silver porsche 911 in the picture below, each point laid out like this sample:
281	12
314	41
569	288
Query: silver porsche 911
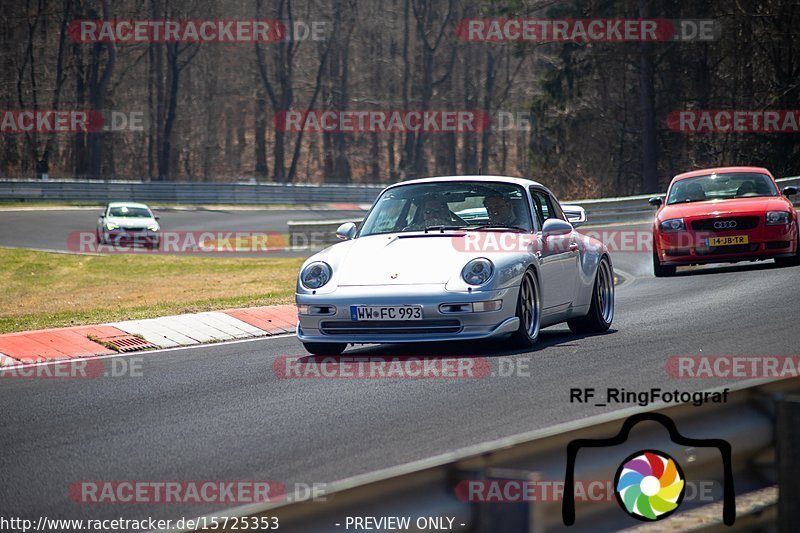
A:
455	258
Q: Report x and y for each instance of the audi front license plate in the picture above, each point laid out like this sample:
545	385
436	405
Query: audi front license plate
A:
383	312
727	241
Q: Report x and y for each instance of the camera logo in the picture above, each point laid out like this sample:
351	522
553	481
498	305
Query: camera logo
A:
649	485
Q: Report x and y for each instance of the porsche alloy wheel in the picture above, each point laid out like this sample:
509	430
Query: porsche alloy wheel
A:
528	311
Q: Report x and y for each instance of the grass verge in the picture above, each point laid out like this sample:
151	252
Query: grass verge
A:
44	290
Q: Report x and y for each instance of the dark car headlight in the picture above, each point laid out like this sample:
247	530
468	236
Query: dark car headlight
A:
673	224
478	271
315	275
777	218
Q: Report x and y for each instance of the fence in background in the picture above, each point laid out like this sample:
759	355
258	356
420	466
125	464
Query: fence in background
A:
185	193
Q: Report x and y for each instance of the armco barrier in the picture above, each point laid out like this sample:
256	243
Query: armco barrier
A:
185	193
604	211
428	487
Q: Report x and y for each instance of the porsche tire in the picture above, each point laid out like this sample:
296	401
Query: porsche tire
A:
601	310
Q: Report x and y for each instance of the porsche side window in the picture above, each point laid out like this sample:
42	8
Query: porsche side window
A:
541	205
556	208
546	206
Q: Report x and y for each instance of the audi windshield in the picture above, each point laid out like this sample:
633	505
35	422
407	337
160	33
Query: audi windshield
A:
721	187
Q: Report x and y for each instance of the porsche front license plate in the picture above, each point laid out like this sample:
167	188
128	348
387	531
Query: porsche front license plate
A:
727	241
396	312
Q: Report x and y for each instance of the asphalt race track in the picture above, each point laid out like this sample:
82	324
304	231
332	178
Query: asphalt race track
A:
219	412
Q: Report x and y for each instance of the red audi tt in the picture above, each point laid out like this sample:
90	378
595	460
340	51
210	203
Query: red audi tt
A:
724	215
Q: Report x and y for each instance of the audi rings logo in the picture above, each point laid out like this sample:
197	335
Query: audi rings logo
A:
725	224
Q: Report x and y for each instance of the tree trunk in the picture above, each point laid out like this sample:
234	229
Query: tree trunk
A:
649	182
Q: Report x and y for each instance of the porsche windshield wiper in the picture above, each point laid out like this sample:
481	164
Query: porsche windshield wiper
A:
441	228
491	227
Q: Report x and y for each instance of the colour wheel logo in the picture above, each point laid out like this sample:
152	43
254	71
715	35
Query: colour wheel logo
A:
649	485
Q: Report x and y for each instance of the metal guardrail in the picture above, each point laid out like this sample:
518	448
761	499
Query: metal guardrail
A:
428	487
604	211
185	193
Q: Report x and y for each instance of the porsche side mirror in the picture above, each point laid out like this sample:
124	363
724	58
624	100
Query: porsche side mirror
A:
157	218
789	191
655	201
346	231
555	226
576	215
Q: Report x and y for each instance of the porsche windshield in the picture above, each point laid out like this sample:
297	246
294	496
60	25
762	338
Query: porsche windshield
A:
449	205
721	187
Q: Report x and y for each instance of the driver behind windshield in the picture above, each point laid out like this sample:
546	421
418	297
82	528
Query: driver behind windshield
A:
500	210
435	212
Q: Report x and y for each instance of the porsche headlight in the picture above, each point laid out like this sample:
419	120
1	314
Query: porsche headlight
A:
315	275
673	224
153	226
478	271
777	218
111	225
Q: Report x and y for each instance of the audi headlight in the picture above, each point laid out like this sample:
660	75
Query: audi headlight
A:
777	218
673	224
315	275
111	225
153	226
478	271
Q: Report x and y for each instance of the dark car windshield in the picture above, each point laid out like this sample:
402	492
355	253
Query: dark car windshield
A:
448	205
129	211
721	187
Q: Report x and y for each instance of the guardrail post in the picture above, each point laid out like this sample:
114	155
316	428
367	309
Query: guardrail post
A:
787	445
513	515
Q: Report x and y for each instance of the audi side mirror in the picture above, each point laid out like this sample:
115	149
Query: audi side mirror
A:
789	191
655	201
